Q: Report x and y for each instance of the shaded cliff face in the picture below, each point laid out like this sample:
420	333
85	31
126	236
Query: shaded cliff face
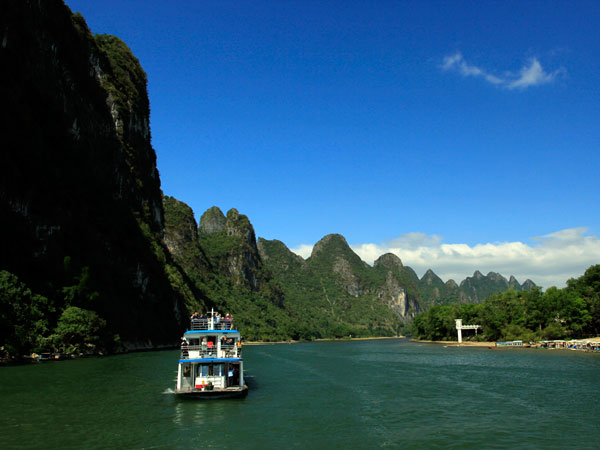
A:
399	289
180	226
78	177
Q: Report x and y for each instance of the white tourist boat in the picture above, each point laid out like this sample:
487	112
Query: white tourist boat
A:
211	364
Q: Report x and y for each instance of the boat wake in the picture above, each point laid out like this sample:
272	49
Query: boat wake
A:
168	391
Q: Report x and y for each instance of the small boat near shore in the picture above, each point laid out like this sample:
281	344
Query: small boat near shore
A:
210	363
511	344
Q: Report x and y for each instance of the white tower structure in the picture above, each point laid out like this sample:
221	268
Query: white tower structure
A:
460	327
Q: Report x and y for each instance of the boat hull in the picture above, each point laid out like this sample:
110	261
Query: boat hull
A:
242	391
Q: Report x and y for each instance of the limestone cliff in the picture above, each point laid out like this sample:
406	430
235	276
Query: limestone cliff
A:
230	243
337	293
78	177
212	221
398	290
222	259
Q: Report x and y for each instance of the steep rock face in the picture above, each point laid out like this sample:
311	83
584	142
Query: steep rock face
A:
348	279
398	290
389	261
180	226
528	285
124	80
78	179
212	221
243	265
514	284
230	243
221	259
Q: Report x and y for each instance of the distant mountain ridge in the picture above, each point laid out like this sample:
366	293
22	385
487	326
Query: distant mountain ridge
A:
331	293
472	289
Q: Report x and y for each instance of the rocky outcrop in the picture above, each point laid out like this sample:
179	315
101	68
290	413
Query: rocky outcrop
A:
398	290
243	261
528	285
230	244
78	176
180	226
212	221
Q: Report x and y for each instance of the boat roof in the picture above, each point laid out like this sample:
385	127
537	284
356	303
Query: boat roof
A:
212	332
204	360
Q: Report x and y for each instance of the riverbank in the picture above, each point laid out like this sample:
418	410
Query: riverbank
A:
322	340
456	343
590	344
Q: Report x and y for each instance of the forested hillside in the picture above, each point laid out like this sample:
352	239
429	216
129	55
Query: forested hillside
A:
572	312
273	293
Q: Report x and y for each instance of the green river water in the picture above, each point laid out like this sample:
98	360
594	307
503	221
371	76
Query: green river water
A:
325	395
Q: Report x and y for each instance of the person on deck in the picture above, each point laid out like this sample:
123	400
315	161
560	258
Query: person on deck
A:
184	348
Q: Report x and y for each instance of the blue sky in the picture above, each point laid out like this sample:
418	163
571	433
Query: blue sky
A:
459	135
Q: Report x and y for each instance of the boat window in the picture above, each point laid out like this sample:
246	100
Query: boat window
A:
204	370
218	370
187	371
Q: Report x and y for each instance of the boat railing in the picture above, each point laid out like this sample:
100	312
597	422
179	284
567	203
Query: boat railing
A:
211	324
203	351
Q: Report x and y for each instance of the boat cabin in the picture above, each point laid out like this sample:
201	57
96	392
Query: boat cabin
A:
211	358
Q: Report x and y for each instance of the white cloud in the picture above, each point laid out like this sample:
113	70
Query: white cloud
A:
551	261
458	63
303	250
531	74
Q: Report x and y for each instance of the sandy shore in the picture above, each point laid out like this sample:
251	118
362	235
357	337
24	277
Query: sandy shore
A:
456	344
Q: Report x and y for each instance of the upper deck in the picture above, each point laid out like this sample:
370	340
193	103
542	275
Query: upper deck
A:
211	336
211	323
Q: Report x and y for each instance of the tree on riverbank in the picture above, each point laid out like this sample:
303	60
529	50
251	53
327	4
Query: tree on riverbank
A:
572	312
30	322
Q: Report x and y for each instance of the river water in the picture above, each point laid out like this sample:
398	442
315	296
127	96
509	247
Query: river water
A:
325	395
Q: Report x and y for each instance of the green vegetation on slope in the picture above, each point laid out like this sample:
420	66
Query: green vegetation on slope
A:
333	293
572	312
